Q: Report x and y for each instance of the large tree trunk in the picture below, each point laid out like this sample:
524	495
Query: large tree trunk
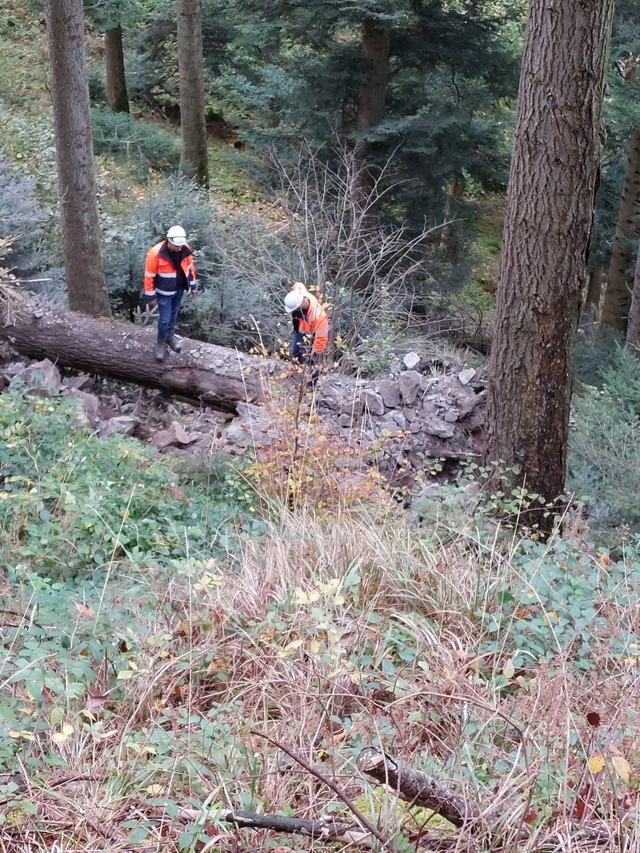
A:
617	297
550	200
117	98
633	329
369	111
215	375
86	285
194	162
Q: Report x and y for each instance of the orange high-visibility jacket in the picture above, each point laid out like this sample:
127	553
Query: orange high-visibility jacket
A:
159	272
315	322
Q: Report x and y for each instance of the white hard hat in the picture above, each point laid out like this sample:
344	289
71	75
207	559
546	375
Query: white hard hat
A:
176	235
293	300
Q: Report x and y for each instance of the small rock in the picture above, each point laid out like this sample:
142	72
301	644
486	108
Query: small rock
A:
465	376
390	393
120	425
80	383
411	360
437	427
409	384
372	402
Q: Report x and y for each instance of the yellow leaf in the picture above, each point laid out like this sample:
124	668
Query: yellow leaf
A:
596	763
621	766
155	790
124	674
13	733
508	670
68	729
59	737
301	597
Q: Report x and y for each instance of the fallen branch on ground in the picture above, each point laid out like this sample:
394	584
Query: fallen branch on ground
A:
324	829
417	788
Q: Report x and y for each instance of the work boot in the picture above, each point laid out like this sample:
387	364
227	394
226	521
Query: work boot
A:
158	352
173	343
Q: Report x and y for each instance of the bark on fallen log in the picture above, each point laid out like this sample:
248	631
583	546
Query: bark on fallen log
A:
212	374
416	787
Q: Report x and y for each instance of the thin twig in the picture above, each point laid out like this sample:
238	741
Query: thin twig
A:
366	823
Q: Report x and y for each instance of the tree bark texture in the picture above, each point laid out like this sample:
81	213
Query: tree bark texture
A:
369	111
376	41
86	286
215	375
633	328
617	298
194	161
549	213
117	98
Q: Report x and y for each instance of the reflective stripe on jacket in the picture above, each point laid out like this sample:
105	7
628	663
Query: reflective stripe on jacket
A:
159	272
315	322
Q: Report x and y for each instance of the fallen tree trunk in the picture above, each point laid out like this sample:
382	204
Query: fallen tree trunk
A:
416	787
215	375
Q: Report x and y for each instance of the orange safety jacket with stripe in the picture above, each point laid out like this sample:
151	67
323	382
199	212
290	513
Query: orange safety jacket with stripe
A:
160	274
315	321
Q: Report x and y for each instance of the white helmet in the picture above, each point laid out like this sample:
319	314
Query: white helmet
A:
293	300
176	235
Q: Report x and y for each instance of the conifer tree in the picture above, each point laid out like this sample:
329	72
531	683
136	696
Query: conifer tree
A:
557	146
426	83
194	162
86	286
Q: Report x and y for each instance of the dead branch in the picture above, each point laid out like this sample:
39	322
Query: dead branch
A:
336	790
324	829
417	788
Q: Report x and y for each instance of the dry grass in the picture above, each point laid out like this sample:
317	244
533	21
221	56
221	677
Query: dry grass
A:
330	635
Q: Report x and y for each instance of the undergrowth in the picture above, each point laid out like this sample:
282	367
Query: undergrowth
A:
157	626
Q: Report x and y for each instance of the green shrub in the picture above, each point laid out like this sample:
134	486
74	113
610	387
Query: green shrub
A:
22	217
71	504
139	143
604	449
562	601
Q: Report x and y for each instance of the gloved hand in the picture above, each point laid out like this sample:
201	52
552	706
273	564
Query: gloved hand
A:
193	288
150	300
145	315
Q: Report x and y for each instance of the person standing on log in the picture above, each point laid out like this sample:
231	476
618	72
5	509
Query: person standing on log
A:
310	327
169	272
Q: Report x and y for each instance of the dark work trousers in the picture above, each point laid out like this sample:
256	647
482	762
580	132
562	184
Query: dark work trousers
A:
168	307
298	351
298	348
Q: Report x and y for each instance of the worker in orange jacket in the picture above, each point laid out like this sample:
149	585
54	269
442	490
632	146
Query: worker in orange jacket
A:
309	319
169	272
